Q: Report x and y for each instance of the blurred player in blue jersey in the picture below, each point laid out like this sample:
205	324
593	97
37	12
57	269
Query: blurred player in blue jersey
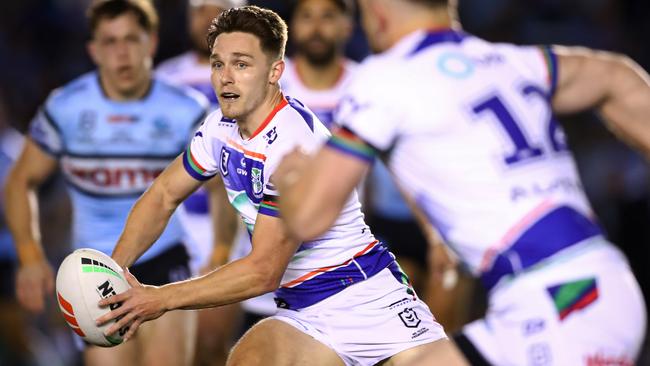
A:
342	297
111	132
209	221
468	132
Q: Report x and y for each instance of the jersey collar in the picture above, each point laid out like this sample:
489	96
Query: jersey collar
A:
268	119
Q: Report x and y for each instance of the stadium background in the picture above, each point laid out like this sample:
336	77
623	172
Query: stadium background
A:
42	46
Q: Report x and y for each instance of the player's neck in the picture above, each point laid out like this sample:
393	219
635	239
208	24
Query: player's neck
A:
249	124
113	93
319	77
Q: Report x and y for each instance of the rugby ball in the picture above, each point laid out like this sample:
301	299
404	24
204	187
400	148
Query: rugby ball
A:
84	278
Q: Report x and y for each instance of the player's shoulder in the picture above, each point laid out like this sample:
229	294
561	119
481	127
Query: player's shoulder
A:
216	124
297	121
72	92
180	94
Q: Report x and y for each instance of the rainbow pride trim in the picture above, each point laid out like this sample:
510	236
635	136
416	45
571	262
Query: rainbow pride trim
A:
550	58
347	142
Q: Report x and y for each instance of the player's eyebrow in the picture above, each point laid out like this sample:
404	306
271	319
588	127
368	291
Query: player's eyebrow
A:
242	55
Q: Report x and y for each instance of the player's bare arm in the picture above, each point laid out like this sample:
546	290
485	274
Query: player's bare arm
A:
309	200
152	211
258	273
613	84
35	276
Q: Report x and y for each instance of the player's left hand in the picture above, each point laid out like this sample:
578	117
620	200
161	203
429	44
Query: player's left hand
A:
140	303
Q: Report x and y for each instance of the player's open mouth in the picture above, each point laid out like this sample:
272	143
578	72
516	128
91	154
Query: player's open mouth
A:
229	96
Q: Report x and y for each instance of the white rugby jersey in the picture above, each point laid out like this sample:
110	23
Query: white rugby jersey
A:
466	127
345	254
322	102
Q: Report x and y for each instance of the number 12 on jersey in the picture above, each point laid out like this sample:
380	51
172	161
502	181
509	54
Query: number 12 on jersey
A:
524	149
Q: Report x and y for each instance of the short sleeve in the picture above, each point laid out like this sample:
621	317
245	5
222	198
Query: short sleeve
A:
46	133
542	63
367	111
198	159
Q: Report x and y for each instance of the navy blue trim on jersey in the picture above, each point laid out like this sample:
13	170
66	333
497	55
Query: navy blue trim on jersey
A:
169	157
330	283
434	38
191	171
46	149
102	195
304	113
557	230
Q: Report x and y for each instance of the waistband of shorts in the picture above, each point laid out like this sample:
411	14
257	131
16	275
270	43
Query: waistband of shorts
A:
560	229
330	282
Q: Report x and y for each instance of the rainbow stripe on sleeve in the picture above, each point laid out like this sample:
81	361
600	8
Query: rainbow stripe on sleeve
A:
550	58
347	142
193	168
269	206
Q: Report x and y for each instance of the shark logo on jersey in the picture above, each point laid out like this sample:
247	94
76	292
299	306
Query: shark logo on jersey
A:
161	128
256	180
225	156
271	136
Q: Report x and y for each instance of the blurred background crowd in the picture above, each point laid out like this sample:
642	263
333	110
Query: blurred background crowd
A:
42	46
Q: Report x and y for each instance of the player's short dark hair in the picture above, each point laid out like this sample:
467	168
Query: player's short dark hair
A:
265	24
111	9
345	6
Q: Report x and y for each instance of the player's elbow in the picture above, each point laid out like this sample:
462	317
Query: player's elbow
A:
266	279
308	226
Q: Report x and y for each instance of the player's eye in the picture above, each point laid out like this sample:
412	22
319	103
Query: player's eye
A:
241	65
217	65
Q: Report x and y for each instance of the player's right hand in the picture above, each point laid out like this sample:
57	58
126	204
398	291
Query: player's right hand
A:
34	281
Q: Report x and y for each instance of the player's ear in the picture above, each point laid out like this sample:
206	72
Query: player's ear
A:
153	43
277	68
91	48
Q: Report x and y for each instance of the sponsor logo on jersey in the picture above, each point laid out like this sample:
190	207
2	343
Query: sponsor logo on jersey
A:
410	318
122	118
602	360
112	176
161	127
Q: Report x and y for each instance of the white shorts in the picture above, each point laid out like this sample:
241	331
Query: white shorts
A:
368	321
597	318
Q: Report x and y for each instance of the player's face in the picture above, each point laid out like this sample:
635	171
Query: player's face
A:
241	73
319	30
371	24
199	21
123	51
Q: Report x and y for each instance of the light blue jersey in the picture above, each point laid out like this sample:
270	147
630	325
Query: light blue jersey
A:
111	151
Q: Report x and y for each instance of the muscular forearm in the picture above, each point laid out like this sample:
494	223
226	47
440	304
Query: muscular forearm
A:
145	223
236	281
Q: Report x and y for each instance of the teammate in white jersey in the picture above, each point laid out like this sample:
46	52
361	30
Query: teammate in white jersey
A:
110	131
318	72
467	128
342	296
